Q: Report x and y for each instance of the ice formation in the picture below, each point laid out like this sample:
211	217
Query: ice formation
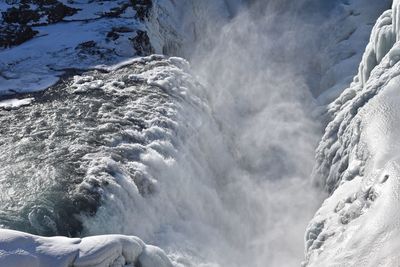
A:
357	162
15	103
21	249
346	33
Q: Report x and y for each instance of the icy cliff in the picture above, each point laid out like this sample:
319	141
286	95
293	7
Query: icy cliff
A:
358	163
346	34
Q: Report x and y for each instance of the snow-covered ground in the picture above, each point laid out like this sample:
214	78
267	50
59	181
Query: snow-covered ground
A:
84	40
103	33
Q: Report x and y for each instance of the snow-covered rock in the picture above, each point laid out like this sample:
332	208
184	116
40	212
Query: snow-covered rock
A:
358	162
38	46
21	249
40	40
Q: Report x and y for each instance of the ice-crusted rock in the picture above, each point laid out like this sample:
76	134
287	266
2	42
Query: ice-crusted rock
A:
175	27
358	162
20	249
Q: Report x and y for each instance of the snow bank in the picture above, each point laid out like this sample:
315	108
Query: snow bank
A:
358	162
21	249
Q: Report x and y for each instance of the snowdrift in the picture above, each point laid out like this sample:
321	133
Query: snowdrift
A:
21	249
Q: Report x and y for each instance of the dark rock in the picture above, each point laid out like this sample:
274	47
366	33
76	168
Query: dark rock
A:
141	43
122	29
142	7
18	20
20	15
14	34
23	13
90	48
114	34
59	11
117	11
85	45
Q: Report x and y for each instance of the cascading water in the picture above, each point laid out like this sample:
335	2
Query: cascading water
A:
237	191
210	163
262	103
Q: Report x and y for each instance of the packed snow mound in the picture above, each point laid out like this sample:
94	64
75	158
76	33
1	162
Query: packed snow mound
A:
21	249
358	162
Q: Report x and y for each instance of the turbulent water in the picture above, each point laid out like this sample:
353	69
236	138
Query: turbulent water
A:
211	162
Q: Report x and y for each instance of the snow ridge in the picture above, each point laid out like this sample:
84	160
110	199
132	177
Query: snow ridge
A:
21	249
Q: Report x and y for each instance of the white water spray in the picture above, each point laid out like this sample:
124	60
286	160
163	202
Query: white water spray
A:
214	173
259	75
237	191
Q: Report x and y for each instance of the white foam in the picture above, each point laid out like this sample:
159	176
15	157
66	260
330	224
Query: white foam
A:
15	103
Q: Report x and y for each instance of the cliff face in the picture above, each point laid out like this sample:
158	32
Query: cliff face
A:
358	163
